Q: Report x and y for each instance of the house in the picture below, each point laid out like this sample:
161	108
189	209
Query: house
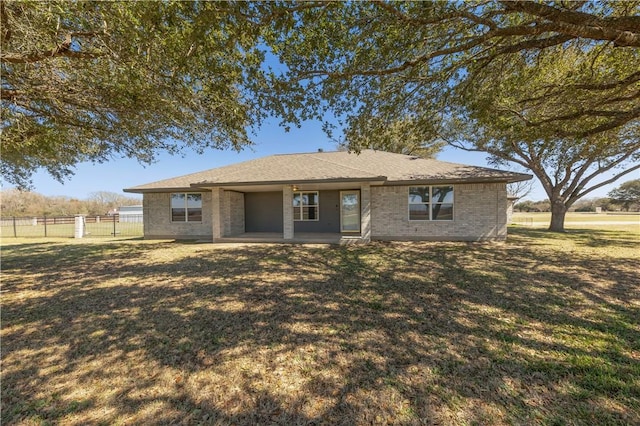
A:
331	196
130	213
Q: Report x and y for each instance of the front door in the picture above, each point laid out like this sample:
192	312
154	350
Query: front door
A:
350	211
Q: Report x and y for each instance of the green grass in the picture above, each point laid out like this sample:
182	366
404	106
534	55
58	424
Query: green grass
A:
542	329
620	220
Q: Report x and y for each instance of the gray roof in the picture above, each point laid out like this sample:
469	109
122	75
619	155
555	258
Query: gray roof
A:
340	166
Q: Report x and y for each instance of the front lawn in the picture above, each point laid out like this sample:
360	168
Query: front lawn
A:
542	329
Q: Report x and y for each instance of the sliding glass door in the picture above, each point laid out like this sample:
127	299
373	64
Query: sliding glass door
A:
350	211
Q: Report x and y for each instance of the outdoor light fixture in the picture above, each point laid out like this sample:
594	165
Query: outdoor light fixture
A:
294	187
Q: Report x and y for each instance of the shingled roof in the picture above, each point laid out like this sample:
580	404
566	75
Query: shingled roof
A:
340	166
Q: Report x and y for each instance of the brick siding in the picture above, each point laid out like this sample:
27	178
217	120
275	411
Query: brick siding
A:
479	214
234	213
156	208
287	212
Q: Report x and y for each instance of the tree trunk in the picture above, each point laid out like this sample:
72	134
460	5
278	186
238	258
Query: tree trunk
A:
558	212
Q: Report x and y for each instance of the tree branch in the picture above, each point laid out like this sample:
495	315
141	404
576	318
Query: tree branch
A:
400	68
63	49
630	79
603	183
620	120
4	20
623	31
436	19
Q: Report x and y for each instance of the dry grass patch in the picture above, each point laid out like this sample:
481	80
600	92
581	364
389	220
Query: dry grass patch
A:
542	329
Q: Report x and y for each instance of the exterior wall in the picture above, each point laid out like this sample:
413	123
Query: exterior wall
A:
263	211
365	212
233	213
156	208
479	213
328	216
217	209
130	214
287	212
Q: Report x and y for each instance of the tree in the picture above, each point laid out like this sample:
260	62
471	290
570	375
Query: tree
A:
26	203
627	194
568	167
393	138
553	87
591	204
519	190
92	80
533	206
100	202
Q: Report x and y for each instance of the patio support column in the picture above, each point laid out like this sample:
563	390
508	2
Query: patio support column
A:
287	212
217	212
365	211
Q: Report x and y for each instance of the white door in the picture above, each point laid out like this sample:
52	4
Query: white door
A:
350	211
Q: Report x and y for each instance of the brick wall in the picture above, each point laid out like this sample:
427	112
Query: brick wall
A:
287	212
156	208
234	213
480	213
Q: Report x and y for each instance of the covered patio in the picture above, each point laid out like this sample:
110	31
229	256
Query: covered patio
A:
335	212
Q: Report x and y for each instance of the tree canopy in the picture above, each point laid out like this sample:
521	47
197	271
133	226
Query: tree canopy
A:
91	80
627	194
552	86
384	60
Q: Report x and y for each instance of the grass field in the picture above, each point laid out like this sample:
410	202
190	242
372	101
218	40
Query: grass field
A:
103	229
542	329
580	220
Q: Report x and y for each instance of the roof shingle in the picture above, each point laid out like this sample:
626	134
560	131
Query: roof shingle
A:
331	166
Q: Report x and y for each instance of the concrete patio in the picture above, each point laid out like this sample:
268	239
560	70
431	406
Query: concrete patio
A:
298	238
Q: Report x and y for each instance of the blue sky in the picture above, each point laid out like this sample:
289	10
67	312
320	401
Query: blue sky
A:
271	139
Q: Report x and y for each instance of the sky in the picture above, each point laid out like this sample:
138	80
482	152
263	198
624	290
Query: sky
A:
120	173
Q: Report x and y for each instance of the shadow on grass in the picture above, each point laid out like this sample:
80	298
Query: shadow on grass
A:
586	237
447	333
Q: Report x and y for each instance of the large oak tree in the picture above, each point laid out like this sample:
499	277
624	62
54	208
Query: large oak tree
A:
89	80
552	86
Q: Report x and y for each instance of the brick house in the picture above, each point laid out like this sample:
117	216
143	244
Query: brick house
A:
331	197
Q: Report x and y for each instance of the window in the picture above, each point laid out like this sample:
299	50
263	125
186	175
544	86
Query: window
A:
186	207
305	206
431	202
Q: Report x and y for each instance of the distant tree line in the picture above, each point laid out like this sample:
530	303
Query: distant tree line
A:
584	205
625	197
26	203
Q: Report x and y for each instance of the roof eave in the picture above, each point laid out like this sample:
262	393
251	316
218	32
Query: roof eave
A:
432	181
152	190
374	180
371	179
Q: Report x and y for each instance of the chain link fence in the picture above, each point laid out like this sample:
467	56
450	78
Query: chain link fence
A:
117	225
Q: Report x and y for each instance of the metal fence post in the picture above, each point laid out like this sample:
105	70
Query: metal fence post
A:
15	232
45	226
114	225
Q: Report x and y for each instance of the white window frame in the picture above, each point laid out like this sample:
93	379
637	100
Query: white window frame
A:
186	208
430	203
302	206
